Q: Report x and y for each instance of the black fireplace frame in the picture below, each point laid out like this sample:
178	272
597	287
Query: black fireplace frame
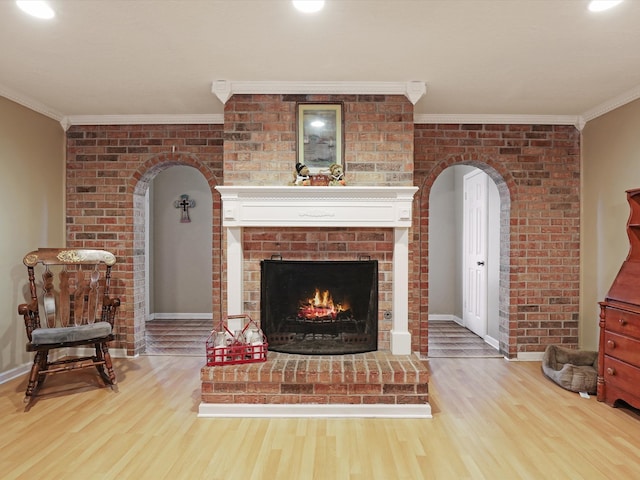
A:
356	279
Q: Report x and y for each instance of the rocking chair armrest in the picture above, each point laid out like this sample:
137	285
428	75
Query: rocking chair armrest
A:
109	308
27	308
111	302
31	317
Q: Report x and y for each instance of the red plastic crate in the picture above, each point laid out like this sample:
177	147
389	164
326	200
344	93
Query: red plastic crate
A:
235	350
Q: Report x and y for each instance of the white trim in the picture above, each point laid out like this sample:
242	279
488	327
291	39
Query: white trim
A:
574	120
15	372
225	89
612	104
181	316
413	90
446	318
530	356
286	206
30	103
244	410
153	119
492	341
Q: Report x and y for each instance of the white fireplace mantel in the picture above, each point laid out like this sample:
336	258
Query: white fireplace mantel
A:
275	206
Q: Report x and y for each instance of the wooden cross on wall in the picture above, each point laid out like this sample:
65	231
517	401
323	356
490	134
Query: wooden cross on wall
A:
184	204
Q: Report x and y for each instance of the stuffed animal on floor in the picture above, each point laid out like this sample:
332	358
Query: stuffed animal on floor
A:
336	176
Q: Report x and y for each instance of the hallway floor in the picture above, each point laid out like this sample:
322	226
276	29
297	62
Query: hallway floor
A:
448	339
177	337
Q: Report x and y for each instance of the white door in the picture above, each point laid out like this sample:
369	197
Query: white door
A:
475	252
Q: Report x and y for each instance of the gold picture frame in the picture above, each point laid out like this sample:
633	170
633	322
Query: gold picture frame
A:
319	137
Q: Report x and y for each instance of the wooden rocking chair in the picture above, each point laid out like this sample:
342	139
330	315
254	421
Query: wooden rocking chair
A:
70	307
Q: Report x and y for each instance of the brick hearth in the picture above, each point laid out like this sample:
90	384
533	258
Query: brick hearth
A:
359	379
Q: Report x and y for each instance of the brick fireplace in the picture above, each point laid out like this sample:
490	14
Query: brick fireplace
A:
319	208
390	382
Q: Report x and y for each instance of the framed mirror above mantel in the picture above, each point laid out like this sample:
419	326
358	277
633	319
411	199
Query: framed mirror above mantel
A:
320	135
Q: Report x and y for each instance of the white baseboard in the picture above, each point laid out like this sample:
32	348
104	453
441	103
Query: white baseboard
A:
180	316
492	341
15	372
446	318
313	410
530	356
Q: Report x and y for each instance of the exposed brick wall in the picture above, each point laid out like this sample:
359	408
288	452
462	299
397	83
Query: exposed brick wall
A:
535	167
537	170
260	138
108	171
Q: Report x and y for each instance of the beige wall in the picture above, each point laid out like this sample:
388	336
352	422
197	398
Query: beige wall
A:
32	213
181	252
611	165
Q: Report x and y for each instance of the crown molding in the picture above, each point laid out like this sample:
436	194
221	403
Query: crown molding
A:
151	119
612	104
30	103
224	89
574	120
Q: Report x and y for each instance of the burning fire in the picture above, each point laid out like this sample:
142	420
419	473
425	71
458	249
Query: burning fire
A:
320	306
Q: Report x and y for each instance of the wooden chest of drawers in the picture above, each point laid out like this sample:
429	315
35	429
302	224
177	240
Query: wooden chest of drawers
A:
619	361
619	352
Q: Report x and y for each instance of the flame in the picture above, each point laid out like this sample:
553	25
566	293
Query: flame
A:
321	305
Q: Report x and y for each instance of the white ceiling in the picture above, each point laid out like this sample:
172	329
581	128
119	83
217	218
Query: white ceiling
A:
502	58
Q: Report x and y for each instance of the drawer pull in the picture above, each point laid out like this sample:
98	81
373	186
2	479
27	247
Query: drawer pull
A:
611	371
611	344
622	322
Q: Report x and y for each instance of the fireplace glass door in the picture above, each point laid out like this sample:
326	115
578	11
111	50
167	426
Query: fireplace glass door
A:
320	307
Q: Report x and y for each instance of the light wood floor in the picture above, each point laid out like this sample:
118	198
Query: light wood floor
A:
492	419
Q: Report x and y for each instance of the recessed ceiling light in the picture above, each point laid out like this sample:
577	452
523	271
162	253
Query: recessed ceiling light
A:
36	8
602	5
308	6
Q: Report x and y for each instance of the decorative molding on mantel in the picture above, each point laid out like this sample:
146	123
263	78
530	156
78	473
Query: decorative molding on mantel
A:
322	207
287	206
413	90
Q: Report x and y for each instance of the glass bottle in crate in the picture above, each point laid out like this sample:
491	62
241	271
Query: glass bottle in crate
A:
220	346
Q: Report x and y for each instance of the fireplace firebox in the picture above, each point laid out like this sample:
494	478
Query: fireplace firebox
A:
320	307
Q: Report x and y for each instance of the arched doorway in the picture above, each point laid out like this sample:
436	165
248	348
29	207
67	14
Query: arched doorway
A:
178	273
141	255
503	280
451	331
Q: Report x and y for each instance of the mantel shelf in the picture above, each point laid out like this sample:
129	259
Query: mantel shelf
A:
313	206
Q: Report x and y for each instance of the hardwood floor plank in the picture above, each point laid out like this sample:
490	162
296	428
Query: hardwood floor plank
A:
492	419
